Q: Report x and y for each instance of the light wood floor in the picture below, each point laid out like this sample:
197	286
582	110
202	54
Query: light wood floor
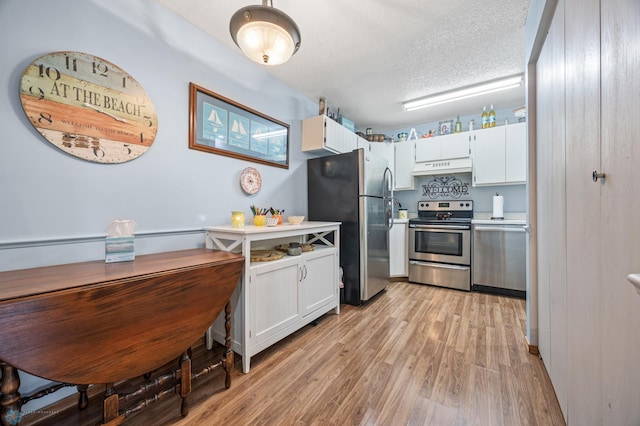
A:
415	355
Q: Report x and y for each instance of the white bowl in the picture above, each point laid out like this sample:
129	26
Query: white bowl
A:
295	220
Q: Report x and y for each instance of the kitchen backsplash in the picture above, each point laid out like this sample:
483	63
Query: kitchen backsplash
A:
458	187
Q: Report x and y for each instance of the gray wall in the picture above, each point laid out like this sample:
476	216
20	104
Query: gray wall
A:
55	207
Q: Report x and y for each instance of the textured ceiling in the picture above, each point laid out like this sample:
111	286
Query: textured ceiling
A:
368	56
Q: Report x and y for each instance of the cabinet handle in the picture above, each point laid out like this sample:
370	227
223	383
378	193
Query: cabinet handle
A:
305	272
301	276
595	175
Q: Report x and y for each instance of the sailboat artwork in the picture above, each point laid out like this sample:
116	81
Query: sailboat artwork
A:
222	126
260	138
214	125
239	131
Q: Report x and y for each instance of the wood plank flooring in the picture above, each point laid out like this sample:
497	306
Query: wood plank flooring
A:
415	355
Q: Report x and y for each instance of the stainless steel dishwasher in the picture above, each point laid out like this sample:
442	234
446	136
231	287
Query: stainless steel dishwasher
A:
499	259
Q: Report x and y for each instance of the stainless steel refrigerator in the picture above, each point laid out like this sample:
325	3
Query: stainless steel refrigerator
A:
356	189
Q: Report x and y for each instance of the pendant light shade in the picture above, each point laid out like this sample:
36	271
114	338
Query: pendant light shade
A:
265	34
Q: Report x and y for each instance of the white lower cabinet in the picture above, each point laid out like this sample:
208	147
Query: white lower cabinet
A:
273	299
398	248
316	291
278	297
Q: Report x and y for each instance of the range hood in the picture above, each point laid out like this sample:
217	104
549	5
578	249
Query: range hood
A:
442	167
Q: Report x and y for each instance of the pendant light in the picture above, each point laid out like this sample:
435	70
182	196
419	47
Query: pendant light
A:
265	34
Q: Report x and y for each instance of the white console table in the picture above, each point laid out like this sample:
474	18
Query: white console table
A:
278	297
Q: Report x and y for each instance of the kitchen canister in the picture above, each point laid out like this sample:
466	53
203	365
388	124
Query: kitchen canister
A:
402	213
498	207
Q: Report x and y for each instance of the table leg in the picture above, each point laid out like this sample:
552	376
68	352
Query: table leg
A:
10	401
83	399
185	382
227	364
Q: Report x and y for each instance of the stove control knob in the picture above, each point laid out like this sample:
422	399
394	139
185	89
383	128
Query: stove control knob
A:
461	204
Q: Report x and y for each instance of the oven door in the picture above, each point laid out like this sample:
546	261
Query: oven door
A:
440	243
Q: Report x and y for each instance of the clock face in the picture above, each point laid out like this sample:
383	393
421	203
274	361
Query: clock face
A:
250	180
88	107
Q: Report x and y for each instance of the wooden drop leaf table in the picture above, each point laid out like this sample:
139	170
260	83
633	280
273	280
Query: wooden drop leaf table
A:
98	323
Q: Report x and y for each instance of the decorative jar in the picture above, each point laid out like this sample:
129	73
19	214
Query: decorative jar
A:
259	219
237	219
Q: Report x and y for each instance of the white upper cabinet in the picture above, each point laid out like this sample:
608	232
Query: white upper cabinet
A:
322	133
445	147
499	155
404	159
516	153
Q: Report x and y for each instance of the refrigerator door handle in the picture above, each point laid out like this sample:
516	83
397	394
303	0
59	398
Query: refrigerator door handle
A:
387	185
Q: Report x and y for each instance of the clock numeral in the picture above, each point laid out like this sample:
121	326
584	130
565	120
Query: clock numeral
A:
50	72
147	121
34	90
126	149
72	64
141	138
98	152
100	69
45	116
124	82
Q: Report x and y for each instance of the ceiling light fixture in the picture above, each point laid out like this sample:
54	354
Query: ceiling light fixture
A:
465	92
265	34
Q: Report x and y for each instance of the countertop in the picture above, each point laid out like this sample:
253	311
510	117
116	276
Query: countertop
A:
509	219
396	220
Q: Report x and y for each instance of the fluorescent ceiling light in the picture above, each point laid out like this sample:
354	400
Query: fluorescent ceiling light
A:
464	93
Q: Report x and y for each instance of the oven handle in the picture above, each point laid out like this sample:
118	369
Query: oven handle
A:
440	227
500	229
439	265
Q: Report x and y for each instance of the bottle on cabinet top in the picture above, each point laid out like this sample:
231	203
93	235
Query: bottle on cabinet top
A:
492	117
457	127
485	117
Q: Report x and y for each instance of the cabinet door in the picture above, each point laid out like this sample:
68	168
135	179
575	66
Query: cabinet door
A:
273	298
428	149
318	284
455	146
516	153
404	159
339	138
398	255
384	150
489	156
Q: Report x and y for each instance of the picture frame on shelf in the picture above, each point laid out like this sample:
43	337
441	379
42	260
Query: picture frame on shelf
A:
219	125
445	127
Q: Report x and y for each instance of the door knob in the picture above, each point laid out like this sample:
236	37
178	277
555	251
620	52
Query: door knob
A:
597	175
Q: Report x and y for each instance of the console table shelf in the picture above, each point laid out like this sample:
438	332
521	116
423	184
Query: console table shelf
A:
278	297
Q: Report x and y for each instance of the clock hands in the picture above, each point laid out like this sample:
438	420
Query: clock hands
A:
115	117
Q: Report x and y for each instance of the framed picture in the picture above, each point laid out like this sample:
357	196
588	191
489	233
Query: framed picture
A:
222	126
445	127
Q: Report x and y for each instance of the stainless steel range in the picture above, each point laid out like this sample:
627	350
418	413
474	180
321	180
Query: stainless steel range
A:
440	244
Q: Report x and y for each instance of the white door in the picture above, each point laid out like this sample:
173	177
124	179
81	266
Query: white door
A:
620	247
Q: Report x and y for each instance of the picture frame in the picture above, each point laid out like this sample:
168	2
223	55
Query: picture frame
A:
219	125
445	127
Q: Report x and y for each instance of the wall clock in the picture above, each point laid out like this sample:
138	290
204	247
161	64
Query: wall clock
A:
88	107
250	180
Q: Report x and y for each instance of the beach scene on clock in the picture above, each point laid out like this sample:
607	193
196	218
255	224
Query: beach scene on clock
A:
88	107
